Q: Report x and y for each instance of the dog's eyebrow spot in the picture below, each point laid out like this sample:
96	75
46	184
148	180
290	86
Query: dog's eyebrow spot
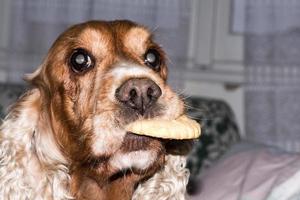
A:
97	41
136	39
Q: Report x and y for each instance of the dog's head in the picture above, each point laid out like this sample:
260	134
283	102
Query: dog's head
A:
96	78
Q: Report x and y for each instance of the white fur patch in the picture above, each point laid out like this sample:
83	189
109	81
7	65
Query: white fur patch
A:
107	138
136	159
132	70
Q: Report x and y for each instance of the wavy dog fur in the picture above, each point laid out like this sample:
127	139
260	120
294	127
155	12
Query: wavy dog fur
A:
42	155
31	166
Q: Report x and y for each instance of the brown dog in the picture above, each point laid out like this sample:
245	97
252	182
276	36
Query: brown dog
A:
67	132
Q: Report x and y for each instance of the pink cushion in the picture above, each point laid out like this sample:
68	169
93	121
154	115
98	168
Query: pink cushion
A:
250	175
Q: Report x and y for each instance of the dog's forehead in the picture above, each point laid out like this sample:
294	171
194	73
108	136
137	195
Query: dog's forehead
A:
136	39
114	35
95	40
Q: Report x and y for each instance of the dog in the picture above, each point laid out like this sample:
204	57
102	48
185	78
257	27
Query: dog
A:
65	138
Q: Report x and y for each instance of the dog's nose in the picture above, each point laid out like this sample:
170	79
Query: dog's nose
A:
138	93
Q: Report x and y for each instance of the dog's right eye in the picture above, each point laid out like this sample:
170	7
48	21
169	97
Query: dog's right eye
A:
81	61
152	59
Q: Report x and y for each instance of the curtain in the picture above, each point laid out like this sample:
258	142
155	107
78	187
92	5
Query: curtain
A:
34	25
272	59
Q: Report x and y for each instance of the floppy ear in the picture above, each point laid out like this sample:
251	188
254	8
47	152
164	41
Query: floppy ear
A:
25	139
38	79
16	133
30	77
44	137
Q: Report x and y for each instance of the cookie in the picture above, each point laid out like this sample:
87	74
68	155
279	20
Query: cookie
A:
179	129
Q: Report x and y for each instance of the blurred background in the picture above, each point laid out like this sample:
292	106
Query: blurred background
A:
237	61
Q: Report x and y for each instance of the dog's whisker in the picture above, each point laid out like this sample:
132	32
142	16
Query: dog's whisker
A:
192	108
154	30
200	118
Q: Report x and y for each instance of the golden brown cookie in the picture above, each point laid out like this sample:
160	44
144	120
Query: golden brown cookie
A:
180	128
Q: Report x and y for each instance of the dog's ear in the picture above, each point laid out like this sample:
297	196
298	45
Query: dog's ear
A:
30	135
39	80
31	77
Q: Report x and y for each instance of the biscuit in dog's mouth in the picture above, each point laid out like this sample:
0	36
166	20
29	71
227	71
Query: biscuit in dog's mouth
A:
181	128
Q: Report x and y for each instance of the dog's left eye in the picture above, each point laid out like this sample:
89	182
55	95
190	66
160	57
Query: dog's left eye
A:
81	61
152	59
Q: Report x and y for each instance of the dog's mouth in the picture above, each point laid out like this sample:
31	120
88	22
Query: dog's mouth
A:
141	133
134	142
